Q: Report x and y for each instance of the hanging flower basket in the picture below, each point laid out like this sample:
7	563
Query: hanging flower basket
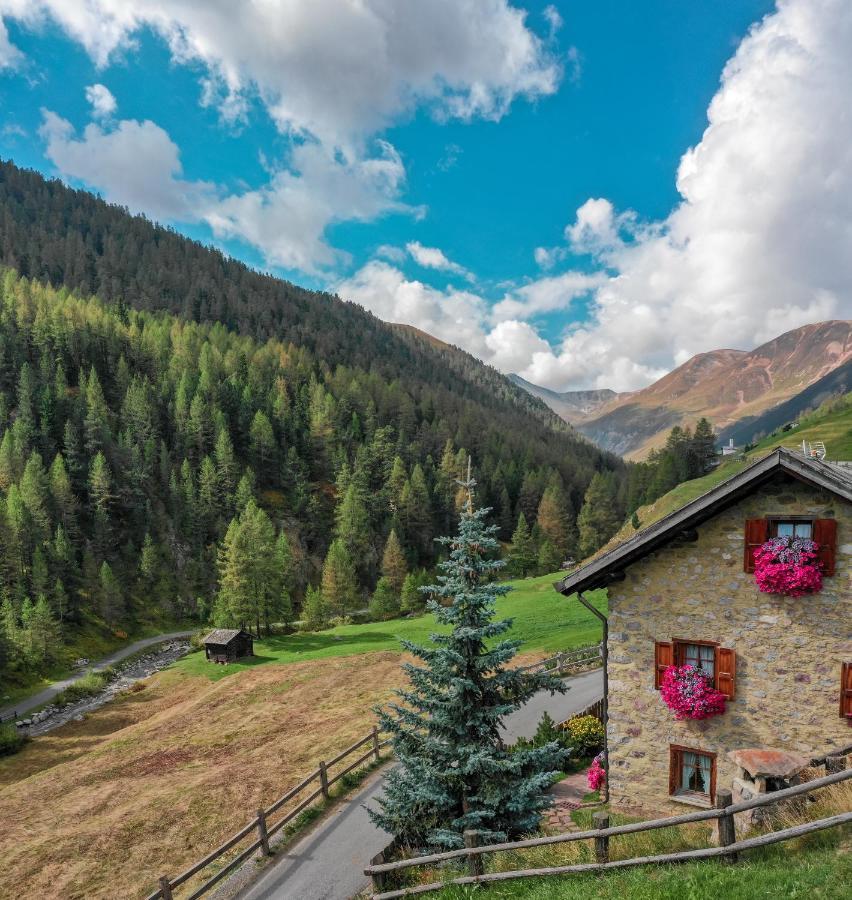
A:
690	694
789	566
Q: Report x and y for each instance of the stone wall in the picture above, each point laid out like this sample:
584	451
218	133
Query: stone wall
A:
788	651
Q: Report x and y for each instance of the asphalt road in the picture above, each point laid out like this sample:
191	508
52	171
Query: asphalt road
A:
45	696
328	863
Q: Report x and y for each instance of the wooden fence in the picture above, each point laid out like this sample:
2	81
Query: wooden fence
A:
595	709
570	661
727	848
260	829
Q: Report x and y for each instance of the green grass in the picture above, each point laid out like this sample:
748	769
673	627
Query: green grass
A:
91	683
831	423
543	619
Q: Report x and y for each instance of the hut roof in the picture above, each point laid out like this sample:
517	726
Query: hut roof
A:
222	635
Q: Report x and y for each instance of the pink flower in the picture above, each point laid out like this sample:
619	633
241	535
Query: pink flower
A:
690	694
596	776
789	566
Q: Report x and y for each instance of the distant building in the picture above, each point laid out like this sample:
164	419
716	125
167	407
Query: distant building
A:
730	449
224	645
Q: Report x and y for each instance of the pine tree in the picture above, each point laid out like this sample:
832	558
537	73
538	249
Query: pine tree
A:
599	518
315	613
111	595
339	587
412	598
44	637
394	567
454	772
384	603
522	555
555	519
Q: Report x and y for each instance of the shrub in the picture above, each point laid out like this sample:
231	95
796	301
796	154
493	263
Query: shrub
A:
585	734
11	740
91	683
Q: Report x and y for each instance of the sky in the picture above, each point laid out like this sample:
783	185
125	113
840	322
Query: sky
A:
584	193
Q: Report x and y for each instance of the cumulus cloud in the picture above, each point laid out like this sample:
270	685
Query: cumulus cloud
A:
759	242
336	69
433	258
102	101
10	56
138	165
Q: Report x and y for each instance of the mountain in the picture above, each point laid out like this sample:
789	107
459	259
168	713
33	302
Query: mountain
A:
725	386
572	406
753	428
169	416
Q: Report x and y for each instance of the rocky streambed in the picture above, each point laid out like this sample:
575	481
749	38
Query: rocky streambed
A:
126	675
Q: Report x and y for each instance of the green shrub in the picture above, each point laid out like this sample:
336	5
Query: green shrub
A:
91	683
585	735
11	740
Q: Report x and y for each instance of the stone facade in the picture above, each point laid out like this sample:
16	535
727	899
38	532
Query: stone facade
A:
788	650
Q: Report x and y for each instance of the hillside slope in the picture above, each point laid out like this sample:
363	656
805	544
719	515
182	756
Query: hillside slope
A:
572	406
725	386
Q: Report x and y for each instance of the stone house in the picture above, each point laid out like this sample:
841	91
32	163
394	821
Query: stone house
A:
682	591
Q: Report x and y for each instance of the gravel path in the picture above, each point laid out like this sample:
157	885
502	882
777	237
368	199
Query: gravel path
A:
328	863
46	695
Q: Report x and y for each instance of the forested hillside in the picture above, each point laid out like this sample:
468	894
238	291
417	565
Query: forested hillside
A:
149	462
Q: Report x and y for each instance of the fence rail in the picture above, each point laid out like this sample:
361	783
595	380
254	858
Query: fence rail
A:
724	812
569	661
260	825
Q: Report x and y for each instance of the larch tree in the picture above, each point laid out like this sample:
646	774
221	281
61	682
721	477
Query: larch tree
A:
454	772
522	555
394	566
599	518
339	585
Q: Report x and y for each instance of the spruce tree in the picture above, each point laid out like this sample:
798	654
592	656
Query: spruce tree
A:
454	771
599	518
384	603
522	556
339	586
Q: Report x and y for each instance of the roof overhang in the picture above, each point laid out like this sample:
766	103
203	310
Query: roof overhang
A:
610	566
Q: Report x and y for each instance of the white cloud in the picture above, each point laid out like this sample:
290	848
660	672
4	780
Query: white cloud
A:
102	101
759	243
433	258
10	56
336	69
137	165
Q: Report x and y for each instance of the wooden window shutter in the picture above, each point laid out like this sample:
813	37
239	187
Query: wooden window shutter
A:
674	769
756	533
846	690
663	658
726	672
825	534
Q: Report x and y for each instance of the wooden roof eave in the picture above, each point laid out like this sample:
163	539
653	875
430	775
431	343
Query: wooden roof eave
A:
610	567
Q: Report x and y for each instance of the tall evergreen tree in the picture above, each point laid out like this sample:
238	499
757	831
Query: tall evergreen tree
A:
522	555
394	566
454	771
339	585
600	517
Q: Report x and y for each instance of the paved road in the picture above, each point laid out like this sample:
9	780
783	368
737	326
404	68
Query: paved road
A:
49	693
328	863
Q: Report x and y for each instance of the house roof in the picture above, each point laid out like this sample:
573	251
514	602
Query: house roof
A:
601	571
222	635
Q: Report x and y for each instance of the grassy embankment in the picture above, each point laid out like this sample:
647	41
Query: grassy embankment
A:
149	783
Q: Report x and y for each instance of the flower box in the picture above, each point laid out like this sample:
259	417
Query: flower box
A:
789	566
689	693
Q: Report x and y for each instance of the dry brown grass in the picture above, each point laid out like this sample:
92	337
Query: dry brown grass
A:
148	784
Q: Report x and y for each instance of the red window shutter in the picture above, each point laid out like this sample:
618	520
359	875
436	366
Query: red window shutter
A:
846	690
663	658
726	672
825	534
756	533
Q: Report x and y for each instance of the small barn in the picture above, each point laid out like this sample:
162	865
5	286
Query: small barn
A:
224	645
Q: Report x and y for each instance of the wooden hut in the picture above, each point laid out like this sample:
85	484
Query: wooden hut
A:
224	645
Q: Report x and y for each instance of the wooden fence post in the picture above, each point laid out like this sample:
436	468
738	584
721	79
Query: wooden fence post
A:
323	774
165	888
725	824
600	820
834	764
378	880
475	864
376	742
264	834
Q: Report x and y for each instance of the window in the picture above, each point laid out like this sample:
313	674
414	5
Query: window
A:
692	773
822	531
800	528
720	663
846	690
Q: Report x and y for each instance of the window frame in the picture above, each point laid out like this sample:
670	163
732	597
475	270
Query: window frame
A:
774	521
679	657
676	752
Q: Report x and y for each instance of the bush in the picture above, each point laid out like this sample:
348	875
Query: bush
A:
11	740
585	735
91	683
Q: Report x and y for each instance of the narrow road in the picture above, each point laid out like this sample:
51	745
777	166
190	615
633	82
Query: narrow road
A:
328	863
46	695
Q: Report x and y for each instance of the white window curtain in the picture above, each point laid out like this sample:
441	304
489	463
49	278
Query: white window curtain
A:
695	776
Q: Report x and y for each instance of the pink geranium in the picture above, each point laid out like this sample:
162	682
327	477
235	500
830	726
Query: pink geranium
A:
690	694
596	776
789	566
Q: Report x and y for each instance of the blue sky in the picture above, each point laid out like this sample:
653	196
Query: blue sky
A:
507	176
